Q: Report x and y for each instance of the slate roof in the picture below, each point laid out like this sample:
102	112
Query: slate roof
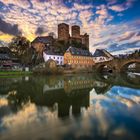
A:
4	56
43	39
5	50
77	51
50	52
101	52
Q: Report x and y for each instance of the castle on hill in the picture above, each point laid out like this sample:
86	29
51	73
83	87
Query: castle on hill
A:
64	34
64	39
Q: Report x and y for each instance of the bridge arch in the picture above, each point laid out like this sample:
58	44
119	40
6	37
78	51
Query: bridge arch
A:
101	67
126	64
116	65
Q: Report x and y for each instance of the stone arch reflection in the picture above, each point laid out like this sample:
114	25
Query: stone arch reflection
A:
105	68
133	79
131	66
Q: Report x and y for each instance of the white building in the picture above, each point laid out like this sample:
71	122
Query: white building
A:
101	55
58	85
56	57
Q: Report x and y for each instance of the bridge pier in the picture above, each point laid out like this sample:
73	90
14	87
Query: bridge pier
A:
116	70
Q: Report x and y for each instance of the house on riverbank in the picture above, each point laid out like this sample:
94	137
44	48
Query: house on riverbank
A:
57	57
42	42
7	59
78	58
101	55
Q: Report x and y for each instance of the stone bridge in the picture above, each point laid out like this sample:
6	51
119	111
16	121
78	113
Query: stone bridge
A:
116	65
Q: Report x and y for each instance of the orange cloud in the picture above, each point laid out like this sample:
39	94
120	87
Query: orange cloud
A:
6	37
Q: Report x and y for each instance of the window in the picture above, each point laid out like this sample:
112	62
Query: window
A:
57	57
54	57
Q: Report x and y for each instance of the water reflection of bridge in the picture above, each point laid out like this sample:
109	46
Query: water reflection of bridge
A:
125	80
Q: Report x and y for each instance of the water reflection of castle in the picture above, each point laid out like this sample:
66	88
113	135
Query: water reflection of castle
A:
72	84
65	103
70	94
65	95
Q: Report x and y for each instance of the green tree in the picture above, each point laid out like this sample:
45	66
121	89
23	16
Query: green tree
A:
20	46
77	44
61	46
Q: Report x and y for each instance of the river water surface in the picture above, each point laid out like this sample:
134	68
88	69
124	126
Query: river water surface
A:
72	107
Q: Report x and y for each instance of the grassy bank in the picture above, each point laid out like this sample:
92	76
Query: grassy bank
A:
14	73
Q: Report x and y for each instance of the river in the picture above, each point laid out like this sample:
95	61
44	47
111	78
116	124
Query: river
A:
72	107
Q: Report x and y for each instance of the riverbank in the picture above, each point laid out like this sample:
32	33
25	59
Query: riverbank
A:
60	71
14	73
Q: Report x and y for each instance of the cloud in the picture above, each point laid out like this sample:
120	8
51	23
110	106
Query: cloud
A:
81	7
122	7
120	38
44	14
103	16
5	38
40	17
19	3
117	8
138	33
120	14
7	28
123	48
39	31
111	2
103	42
126	36
117	47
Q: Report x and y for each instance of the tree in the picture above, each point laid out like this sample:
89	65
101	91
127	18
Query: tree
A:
20	46
61	46
77	44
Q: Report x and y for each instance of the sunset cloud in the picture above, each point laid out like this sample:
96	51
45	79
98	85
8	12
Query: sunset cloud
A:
36	17
126	36
122	7
8	28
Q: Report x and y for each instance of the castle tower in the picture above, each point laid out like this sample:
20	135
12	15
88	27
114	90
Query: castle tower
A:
75	31
85	40
63	31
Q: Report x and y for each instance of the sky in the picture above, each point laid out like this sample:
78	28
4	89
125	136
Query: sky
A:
113	25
